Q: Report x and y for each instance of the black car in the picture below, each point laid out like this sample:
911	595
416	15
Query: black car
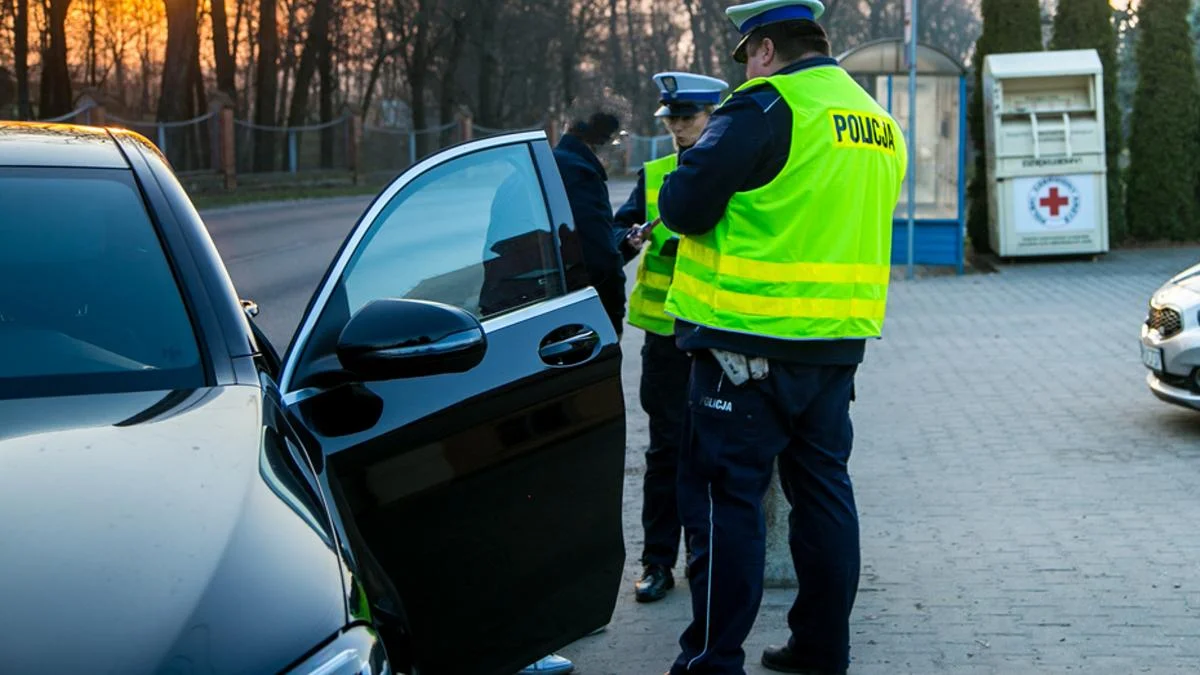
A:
433	468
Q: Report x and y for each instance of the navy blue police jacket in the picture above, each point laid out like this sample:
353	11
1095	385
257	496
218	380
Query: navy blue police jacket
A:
586	184
743	147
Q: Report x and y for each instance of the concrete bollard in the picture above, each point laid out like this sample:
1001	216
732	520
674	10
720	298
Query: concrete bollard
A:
779	571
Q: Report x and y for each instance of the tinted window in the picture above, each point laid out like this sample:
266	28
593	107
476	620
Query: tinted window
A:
88	300
473	232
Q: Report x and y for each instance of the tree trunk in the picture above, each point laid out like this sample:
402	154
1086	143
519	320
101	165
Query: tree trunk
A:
328	86
91	65
487	110
226	66
250	69
267	84
416	83
614	39
21	51
144	103
198	135
382	52
458	35
176	96
702	56
372	80
314	45
56	74
117	53
177	66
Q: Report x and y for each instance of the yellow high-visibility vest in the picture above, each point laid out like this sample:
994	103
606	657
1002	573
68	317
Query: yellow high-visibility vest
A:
655	269
807	256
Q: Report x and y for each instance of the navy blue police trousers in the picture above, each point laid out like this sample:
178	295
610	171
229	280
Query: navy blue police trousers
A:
800	414
663	394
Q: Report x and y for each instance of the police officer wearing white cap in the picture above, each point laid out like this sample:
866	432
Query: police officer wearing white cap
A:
687	100
784	207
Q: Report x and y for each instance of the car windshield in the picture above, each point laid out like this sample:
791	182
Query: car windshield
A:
88	299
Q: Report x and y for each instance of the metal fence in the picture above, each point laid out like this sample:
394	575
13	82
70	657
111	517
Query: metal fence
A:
642	149
389	150
340	145
270	149
189	144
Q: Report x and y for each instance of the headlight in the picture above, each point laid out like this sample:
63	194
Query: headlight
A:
357	651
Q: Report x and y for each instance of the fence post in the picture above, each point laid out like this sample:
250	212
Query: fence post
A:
466	125
94	100
224	145
412	146
291	140
162	138
630	141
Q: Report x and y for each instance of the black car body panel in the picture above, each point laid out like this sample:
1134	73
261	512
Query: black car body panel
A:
473	517
477	470
147	537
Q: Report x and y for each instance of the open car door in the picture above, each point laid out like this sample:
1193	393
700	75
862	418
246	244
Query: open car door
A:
472	443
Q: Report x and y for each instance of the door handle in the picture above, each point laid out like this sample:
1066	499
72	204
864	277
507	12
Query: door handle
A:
569	346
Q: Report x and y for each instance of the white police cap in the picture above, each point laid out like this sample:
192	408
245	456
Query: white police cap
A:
752	15
686	94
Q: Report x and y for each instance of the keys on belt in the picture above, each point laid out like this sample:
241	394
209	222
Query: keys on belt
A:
740	368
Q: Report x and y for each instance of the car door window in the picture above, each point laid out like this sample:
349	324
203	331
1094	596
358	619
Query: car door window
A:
473	232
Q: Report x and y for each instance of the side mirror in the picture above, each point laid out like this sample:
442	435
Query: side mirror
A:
392	338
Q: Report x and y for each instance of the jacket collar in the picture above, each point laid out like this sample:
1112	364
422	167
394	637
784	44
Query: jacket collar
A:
806	64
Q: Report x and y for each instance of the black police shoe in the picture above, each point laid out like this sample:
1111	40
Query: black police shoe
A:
784	660
655	582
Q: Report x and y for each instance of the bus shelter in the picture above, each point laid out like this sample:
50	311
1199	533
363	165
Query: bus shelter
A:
939	227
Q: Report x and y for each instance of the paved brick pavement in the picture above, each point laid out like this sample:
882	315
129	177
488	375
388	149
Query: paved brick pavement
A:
1027	505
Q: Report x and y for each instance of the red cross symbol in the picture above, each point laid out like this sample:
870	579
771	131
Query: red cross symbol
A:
1054	202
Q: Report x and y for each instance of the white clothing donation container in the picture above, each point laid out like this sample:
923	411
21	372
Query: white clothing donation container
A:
1044	121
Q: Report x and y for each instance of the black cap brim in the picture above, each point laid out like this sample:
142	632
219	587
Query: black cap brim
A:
679	109
739	52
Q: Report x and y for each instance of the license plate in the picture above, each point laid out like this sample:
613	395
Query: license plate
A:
1152	358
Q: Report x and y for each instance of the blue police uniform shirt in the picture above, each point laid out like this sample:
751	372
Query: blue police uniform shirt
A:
744	147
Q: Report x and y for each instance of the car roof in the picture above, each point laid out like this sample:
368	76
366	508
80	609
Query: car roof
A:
30	144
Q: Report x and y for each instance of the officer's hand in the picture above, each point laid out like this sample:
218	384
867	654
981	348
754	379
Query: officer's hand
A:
636	237
639	233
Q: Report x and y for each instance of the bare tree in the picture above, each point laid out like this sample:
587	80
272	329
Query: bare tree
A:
266	84
226	66
21	53
448	70
315	44
422	31
56	72
174	102
328	87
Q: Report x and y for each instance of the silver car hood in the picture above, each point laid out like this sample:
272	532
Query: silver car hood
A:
1189	278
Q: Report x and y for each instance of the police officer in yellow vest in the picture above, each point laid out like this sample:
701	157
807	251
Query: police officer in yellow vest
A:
785	209
686	101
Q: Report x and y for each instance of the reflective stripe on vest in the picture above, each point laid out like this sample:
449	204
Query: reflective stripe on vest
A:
807	256
655	270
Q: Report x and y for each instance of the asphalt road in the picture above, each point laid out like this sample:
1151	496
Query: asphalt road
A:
277	253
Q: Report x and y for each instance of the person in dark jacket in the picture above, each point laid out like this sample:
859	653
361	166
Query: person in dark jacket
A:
586	183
